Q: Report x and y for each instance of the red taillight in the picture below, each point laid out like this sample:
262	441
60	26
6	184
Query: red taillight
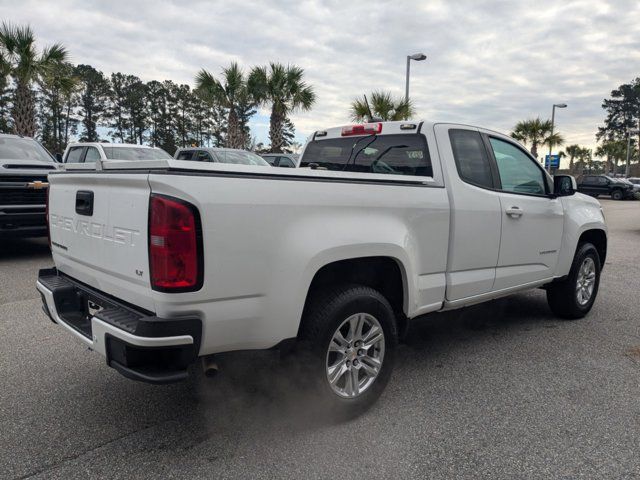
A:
175	245
365	129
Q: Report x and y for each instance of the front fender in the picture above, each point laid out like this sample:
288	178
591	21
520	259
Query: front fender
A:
581	213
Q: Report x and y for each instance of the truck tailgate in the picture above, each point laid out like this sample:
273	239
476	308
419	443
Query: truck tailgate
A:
98	227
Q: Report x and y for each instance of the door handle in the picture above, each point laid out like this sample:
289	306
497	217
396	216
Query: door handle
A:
84	202
514	212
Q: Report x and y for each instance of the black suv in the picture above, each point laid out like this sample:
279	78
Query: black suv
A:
595	185
24	165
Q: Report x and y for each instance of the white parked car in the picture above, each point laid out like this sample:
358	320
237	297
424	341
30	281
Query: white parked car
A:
89	152
158	265
219	155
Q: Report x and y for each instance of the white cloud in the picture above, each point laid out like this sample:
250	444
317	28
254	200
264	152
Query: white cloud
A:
491	63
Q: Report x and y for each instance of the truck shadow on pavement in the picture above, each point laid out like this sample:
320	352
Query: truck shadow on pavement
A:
20	248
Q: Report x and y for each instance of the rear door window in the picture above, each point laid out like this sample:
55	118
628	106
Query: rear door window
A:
471	157
404	154
92	155
75	155
285	162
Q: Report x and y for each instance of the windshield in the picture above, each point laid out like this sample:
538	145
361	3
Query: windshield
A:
135	153
404	154
241	158
23	149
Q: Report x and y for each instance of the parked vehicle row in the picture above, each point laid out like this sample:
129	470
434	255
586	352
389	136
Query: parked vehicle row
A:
595	185
158	268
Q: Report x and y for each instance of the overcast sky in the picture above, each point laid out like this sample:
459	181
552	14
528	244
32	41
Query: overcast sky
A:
490	63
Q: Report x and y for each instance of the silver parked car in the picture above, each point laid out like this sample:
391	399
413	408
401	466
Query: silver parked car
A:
221	155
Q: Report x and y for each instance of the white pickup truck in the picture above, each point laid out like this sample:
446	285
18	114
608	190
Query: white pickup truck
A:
160	262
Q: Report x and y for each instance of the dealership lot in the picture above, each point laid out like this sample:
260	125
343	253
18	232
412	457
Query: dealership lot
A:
499	390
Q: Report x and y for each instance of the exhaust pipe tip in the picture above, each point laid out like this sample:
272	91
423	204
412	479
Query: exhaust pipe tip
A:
210	366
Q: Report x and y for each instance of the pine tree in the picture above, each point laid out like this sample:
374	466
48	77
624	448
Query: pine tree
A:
94	90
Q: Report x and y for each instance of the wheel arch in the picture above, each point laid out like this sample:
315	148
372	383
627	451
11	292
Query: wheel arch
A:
598	238
385	273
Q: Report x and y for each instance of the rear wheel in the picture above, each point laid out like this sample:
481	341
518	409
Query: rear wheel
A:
617	195
349	334
573	297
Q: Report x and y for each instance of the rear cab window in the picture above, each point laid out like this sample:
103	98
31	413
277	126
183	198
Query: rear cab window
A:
394	154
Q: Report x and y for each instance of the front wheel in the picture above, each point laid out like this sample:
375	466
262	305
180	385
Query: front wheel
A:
617	195
574	296
351	337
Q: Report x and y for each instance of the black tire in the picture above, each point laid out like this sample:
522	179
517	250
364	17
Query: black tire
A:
324	314
562	296
617	195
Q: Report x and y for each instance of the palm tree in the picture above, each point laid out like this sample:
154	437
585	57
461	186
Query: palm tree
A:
25	66
230	93
553	139
534	132
614	151
284	89
383	106
572	151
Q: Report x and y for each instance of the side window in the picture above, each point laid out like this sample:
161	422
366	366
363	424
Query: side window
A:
202	156
471	157
270	159
285	162
518	172
185	155
603	181
92	155
74	155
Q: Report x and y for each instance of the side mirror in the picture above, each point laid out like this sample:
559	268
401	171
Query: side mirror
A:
59	157
564	185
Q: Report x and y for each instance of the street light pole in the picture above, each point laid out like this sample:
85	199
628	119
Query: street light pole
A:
553	119
418	57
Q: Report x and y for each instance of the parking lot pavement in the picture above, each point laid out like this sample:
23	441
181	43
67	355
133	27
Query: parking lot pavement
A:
499	390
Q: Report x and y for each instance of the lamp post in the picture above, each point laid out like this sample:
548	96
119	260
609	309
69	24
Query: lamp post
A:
629	133
553	119
418	57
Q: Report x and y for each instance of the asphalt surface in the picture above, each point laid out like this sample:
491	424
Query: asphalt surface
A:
502	390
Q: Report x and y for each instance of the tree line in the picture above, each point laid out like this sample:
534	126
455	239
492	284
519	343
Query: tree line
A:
43	95
617	138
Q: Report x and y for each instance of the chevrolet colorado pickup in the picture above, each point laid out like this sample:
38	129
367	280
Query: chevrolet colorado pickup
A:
160	262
